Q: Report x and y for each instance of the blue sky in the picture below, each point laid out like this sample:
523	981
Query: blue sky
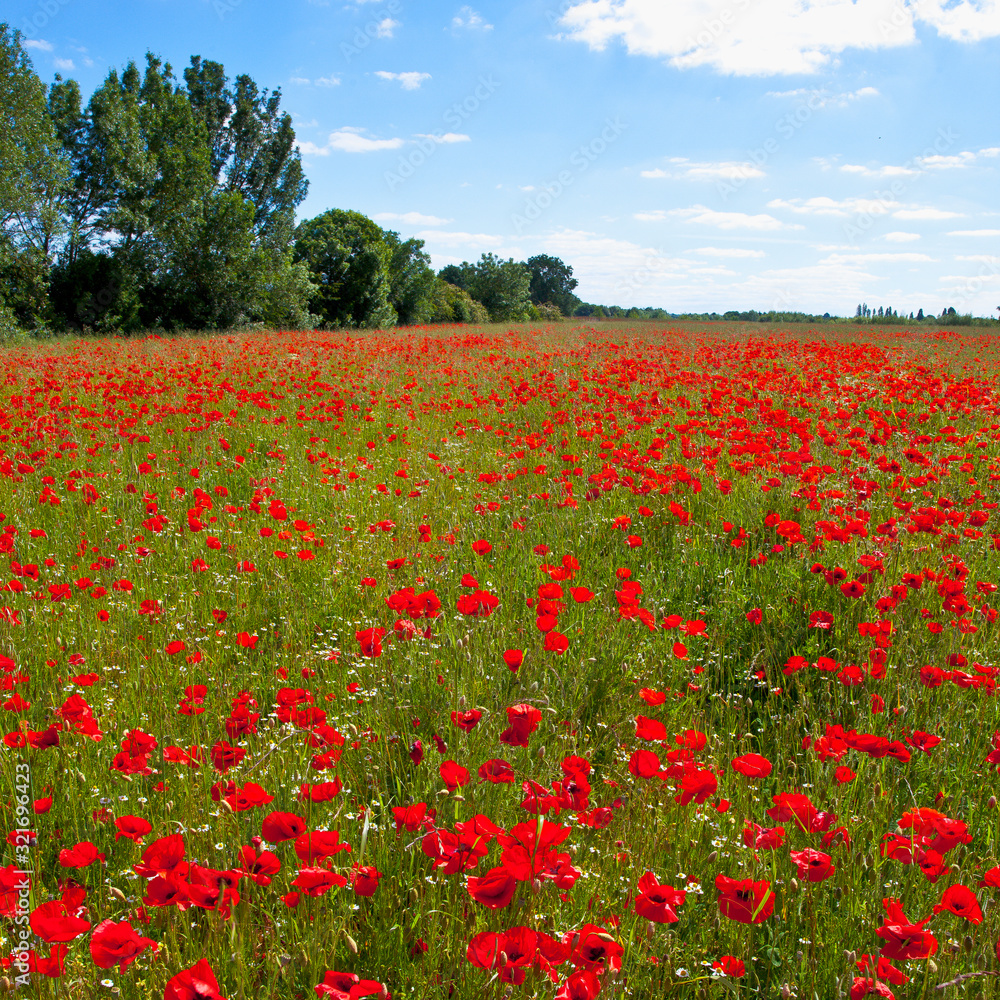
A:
690	154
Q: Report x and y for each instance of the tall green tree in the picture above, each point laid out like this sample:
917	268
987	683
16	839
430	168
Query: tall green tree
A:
348	259
504	287
32	172
188	191
252	144
552	281
411	279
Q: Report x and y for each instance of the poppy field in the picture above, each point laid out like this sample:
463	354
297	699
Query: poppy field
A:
474	663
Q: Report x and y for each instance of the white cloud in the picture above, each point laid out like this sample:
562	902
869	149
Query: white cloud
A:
349	140
767	37
37	43
829	206
823	98
301	81
444	138
386	27
872	258
411	218
64	64
733	252
440	237
879	172
720	220
974	232
328	81
932	214
470	20
900	237
410	81
727	170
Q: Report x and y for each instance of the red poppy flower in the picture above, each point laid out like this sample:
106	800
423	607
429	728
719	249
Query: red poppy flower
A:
117	944
513	658
467	720
744	900
728	965
196	983
280	826
556	642
960	900
752	765
496	772
814	866
482	547
371	641
347	986
495	889
82	855
54	922
364	880
649	729
656	902
318	844
318	881
524	720
453	775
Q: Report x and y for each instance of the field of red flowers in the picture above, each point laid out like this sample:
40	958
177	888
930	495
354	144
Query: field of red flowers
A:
618	662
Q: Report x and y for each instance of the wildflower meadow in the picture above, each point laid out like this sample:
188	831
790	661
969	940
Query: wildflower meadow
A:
550	662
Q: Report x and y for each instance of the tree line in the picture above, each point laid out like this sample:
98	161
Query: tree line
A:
169	203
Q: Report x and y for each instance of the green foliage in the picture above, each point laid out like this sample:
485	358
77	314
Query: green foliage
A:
348	259
451	304
503	287
411	280
552	282
460	275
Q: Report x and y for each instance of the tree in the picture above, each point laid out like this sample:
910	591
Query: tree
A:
348	259
459	275
32	171
504	287
252	145
552	281
189	192
451	304
411	280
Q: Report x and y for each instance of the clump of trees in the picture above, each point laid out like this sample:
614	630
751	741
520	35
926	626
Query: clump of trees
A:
169	203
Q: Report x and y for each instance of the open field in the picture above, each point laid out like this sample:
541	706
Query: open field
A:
474	663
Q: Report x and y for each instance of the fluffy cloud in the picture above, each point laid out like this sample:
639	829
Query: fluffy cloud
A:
722	170
767	37
411	218
470	20
349	140
701	215
410	81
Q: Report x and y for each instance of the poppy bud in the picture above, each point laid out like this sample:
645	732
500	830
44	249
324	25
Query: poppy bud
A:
931	965
794	885
458	798
850	957
227	805
712	857
443	794
991	802
461	701
967	944
650	929
118	894
541	751
284	960
533	686
351	943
